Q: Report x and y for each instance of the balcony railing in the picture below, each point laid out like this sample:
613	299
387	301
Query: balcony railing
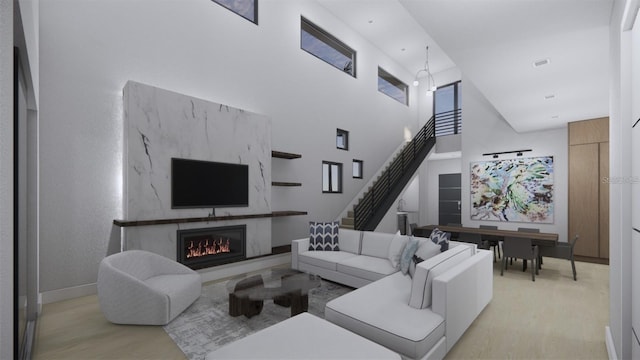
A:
449	122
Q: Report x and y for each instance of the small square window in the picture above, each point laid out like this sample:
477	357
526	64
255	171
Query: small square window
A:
331	177
342	139
357	169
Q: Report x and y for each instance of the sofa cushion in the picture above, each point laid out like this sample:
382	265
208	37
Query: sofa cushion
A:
323	236
427	249
366	267
441	238
376	244
325	259
427	270
406	330
349	240
395	249
407	254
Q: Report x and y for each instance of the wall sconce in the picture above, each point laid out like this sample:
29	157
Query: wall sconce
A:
517	152
431	84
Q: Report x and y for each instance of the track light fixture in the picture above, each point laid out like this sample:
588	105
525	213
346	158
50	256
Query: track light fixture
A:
517	152
431	84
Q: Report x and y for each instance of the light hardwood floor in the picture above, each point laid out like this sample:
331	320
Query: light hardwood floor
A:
551	318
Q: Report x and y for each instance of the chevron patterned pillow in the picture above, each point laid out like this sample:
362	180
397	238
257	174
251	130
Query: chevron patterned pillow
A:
440	238
323	236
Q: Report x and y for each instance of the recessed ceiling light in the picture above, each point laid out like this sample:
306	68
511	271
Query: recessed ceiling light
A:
541	62
370	21
549	97
403	49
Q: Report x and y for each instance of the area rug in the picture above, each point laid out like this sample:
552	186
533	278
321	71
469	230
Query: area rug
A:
206	324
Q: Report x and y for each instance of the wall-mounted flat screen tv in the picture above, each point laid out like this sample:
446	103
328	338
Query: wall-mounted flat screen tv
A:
208	184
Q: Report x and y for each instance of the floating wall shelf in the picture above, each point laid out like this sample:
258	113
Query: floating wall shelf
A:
284	155
282	183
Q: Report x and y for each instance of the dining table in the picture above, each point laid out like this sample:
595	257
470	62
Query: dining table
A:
537	238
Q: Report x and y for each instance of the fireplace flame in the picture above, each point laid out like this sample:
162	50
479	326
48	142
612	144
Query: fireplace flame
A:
208	247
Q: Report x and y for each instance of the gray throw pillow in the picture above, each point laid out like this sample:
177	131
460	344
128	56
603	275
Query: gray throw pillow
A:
407	254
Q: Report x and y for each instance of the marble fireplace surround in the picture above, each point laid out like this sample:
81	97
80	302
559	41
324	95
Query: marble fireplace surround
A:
161	124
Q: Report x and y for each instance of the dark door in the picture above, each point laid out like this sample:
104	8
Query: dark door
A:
449	199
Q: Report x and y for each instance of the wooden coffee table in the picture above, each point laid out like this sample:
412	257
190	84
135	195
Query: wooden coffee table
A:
286	287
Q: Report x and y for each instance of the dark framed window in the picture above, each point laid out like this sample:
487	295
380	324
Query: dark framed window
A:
327	47
331	177
392	87
342	139
357	168
447	109
248	9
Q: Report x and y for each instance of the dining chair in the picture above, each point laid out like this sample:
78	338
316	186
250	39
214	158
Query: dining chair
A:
474	239
521	248
530	230
455	235
412	227
492	240
562	250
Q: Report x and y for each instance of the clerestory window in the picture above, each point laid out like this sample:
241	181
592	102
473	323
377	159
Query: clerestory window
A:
327	47
392	87
248	9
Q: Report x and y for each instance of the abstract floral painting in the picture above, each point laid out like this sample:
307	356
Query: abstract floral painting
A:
514	190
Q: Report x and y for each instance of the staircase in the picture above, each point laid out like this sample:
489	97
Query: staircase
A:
349	221
376	201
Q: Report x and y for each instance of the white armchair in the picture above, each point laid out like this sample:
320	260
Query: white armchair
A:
142	288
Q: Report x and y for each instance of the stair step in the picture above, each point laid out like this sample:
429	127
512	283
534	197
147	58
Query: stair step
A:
347	221
347	227
350	214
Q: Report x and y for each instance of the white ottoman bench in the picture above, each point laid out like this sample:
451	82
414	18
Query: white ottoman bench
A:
303	336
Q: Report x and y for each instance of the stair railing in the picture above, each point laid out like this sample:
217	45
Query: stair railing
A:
408	160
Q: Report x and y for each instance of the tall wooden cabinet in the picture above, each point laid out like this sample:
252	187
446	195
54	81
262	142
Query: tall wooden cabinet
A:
589	187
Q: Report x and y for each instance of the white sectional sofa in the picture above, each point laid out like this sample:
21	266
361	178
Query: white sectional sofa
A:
363	258
419	317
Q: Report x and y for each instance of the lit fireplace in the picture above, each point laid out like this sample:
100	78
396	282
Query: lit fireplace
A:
207	247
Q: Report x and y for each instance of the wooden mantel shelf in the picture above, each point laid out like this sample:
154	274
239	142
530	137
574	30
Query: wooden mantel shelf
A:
128	223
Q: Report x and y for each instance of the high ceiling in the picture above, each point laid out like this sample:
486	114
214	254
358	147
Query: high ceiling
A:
495	44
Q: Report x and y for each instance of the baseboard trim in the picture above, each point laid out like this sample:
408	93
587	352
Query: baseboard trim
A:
608	339
594	260
69	293
209	274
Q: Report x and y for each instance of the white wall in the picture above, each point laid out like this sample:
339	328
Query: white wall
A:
6	179
485	130
88	50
